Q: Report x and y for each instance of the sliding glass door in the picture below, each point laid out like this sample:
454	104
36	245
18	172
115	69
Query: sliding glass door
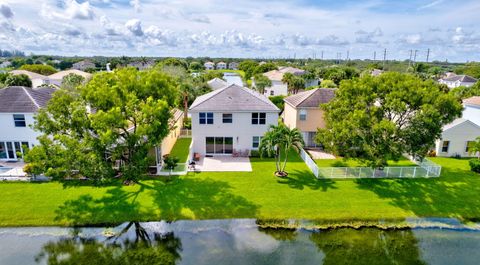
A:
219	145
11	150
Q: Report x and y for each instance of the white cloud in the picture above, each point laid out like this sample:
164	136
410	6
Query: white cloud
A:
135	27
413	38
431	4
6	11
71	10
136	5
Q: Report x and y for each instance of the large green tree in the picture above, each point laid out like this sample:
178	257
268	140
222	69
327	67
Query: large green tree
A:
261	82
109	123
463	92
71	81
18	80
374	119
249	67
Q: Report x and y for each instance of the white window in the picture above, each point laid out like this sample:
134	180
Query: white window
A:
271	93
205	117
303	115
259	118
256	141
19	120
227	118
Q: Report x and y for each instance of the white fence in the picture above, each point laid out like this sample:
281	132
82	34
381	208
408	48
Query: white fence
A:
185	133
425	169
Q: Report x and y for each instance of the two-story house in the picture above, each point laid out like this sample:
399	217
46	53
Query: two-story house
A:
83	65
302	111
233	66
457	135
229	119
221	66
209	66
18	105
57	78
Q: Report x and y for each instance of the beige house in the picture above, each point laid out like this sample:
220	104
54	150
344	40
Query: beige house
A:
57	78
302	111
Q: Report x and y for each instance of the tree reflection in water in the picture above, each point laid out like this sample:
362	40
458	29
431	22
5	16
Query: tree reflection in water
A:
368	246
145	248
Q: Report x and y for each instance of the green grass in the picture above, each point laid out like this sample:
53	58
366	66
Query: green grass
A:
181	148
256	194
339	162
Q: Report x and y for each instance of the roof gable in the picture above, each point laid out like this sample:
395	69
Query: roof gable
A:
24	99
233	98
311	98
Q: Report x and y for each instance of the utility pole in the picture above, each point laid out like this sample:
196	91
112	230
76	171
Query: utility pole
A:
384	57
322	55
374	55
415	56
348	55
428	54
410	59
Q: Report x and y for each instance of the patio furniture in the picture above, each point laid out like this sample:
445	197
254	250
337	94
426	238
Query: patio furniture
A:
191	166
196	156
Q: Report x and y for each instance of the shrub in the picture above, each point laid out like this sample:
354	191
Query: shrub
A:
475	165
254	153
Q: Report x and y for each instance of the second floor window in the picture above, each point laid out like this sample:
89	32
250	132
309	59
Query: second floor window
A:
227	118
19	120
206	117
303	115
259	118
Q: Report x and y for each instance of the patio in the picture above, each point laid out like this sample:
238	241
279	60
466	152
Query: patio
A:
223	164
318	154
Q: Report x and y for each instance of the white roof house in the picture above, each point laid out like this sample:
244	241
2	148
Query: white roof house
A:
233	66
57	78
17	108
221	65
454	81
471	109
209	65
229	119
280	88
37	79
456	137
217	83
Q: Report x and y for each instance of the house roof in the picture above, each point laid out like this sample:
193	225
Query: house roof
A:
376	72
60	75
277	75
461	78
458	122
475	100
311	98
31	75
233	98
292	70
217	83
24	99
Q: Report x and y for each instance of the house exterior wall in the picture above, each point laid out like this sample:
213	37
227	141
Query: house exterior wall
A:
37	82
169	141
241	129
221	66
472	113
314	119
10	133
278	88
290	116
458	137
209	66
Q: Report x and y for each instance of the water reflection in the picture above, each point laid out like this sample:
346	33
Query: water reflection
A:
367	246
143	248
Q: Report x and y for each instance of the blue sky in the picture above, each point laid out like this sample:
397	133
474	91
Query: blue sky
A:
246	28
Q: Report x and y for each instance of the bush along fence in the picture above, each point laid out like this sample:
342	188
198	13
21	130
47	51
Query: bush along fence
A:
424	169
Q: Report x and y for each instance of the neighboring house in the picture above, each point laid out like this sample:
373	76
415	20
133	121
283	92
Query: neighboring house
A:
233	66
209	66
376	72
217	83
230	119
472	109
5	64
456	137
454	81
57	78
141	65
302	111
280	88
175	124
18	105
221	66
83	65
37	79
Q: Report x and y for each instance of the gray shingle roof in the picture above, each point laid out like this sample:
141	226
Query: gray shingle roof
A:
233	98
311	98
461	78
217	83
24	99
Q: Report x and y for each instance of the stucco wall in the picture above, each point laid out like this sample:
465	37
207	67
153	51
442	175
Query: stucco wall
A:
241	129
472	113
8	131
171	139
314	119
278	88
458	137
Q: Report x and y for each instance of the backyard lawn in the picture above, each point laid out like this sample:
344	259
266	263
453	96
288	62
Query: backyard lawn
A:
180	149
339	162
256	194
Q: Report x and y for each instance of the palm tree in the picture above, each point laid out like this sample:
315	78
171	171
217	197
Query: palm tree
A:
287	78
280	139
474	147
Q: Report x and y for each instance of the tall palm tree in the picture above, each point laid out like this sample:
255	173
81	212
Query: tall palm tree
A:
474	148
280	139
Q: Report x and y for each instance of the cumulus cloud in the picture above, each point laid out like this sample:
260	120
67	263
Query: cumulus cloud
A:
71	9
196	17
6	11
136	5
157	36
134	26
367	37
413	38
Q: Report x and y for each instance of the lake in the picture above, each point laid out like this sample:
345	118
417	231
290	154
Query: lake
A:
233	78
235	241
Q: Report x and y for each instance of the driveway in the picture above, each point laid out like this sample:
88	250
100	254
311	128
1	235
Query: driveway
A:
223	164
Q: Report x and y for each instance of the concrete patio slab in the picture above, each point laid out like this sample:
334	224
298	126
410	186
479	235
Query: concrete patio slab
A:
318	154
223	164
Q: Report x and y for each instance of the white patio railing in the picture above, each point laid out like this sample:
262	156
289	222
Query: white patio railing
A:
425	169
